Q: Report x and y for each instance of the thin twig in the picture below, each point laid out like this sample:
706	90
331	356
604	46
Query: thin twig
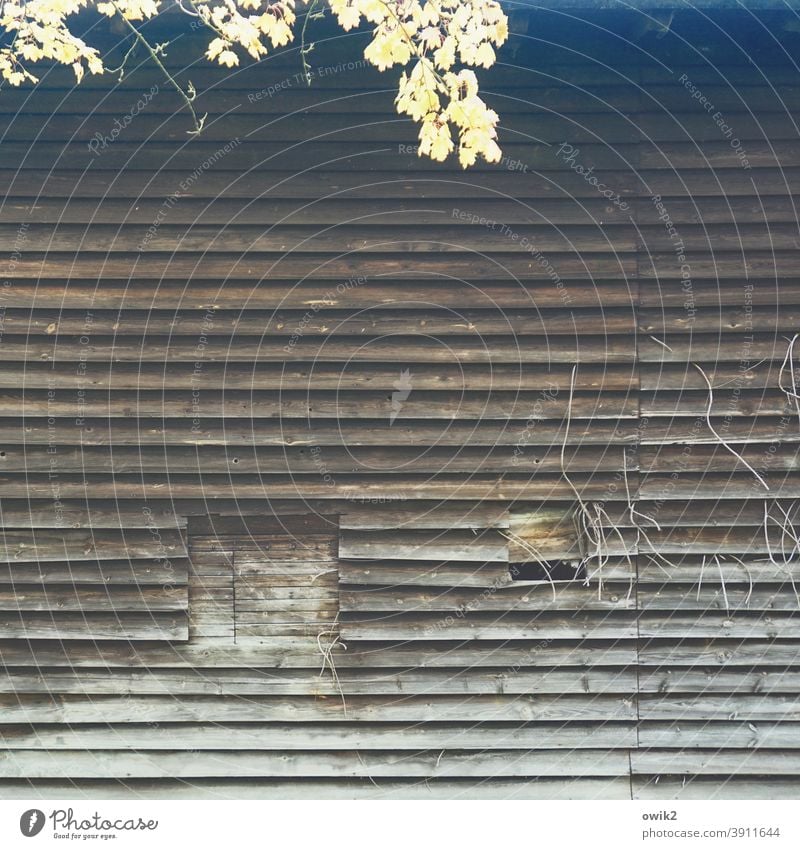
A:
721	440
187	99
663	344
749	576
722	582
304	49
788	361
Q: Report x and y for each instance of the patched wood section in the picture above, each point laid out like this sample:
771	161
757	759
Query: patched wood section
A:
407	574
256	579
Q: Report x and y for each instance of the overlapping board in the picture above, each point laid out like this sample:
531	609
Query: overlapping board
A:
294	315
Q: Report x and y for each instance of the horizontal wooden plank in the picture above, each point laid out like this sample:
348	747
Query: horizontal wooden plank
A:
44	544
505	598
719	735
742	375
487	546
489	764
89	514
270	682
412	348
441	516
330	460
360	129
670	293
334	153
739	569
341	736
724	319
355	90
94	626
758	429
381	235
729	403
398	488
393	148
760	681
354	515
320	322
745	541
349	91
367	127
335	268
700	347
728	788
239	404
122	202
396	182
713	485
719	625
292	653
712	514
477	626
127	572
527	788
752	708
715	653
453	574
104	709
746	762
282	291
241	431
259	528
120	600
717	155
725	598
423	241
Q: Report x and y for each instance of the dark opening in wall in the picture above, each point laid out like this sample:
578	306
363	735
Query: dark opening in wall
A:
547	570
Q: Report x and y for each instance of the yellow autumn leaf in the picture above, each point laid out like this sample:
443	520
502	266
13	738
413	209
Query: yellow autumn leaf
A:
442	38
228	58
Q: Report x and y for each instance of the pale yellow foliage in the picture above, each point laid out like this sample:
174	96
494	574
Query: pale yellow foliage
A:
433	36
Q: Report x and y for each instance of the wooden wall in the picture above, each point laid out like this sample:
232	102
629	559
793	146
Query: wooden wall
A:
279	390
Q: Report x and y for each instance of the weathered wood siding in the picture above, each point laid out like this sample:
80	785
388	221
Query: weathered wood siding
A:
291	352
